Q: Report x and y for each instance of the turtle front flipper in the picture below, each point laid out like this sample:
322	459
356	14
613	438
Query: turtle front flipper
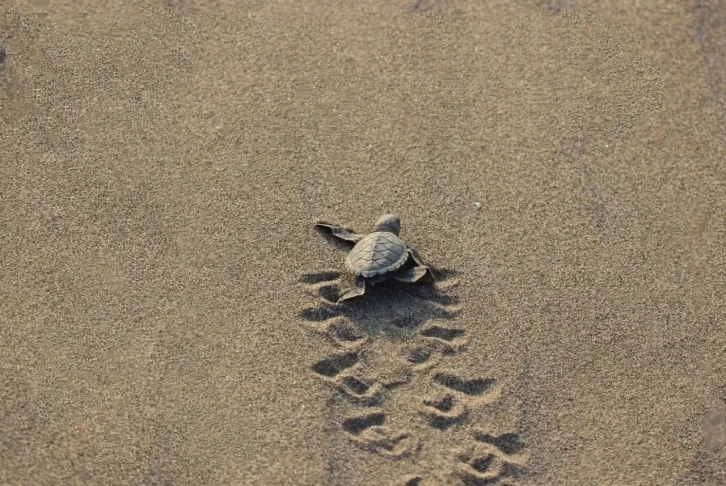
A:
358	289
412	274
340	232
419	271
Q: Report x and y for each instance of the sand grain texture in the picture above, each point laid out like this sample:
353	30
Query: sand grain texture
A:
166	306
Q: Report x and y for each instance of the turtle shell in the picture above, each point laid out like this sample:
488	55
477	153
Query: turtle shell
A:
377	253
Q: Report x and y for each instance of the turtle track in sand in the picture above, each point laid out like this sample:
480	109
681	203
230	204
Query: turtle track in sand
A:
390	348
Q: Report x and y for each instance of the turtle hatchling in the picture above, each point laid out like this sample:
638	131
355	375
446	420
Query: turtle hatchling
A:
379	256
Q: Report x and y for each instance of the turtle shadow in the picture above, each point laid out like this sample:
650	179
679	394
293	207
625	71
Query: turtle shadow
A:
391	307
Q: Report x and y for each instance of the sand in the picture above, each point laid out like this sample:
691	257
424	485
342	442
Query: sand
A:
165	314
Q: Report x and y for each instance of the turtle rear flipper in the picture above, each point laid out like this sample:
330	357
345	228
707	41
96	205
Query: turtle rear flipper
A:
340	232
358	289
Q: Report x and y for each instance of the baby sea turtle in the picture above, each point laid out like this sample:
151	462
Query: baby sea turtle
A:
379	256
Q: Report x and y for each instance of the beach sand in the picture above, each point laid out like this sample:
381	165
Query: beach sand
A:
164	300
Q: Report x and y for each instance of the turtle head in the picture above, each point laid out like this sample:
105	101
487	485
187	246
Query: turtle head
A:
388	222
